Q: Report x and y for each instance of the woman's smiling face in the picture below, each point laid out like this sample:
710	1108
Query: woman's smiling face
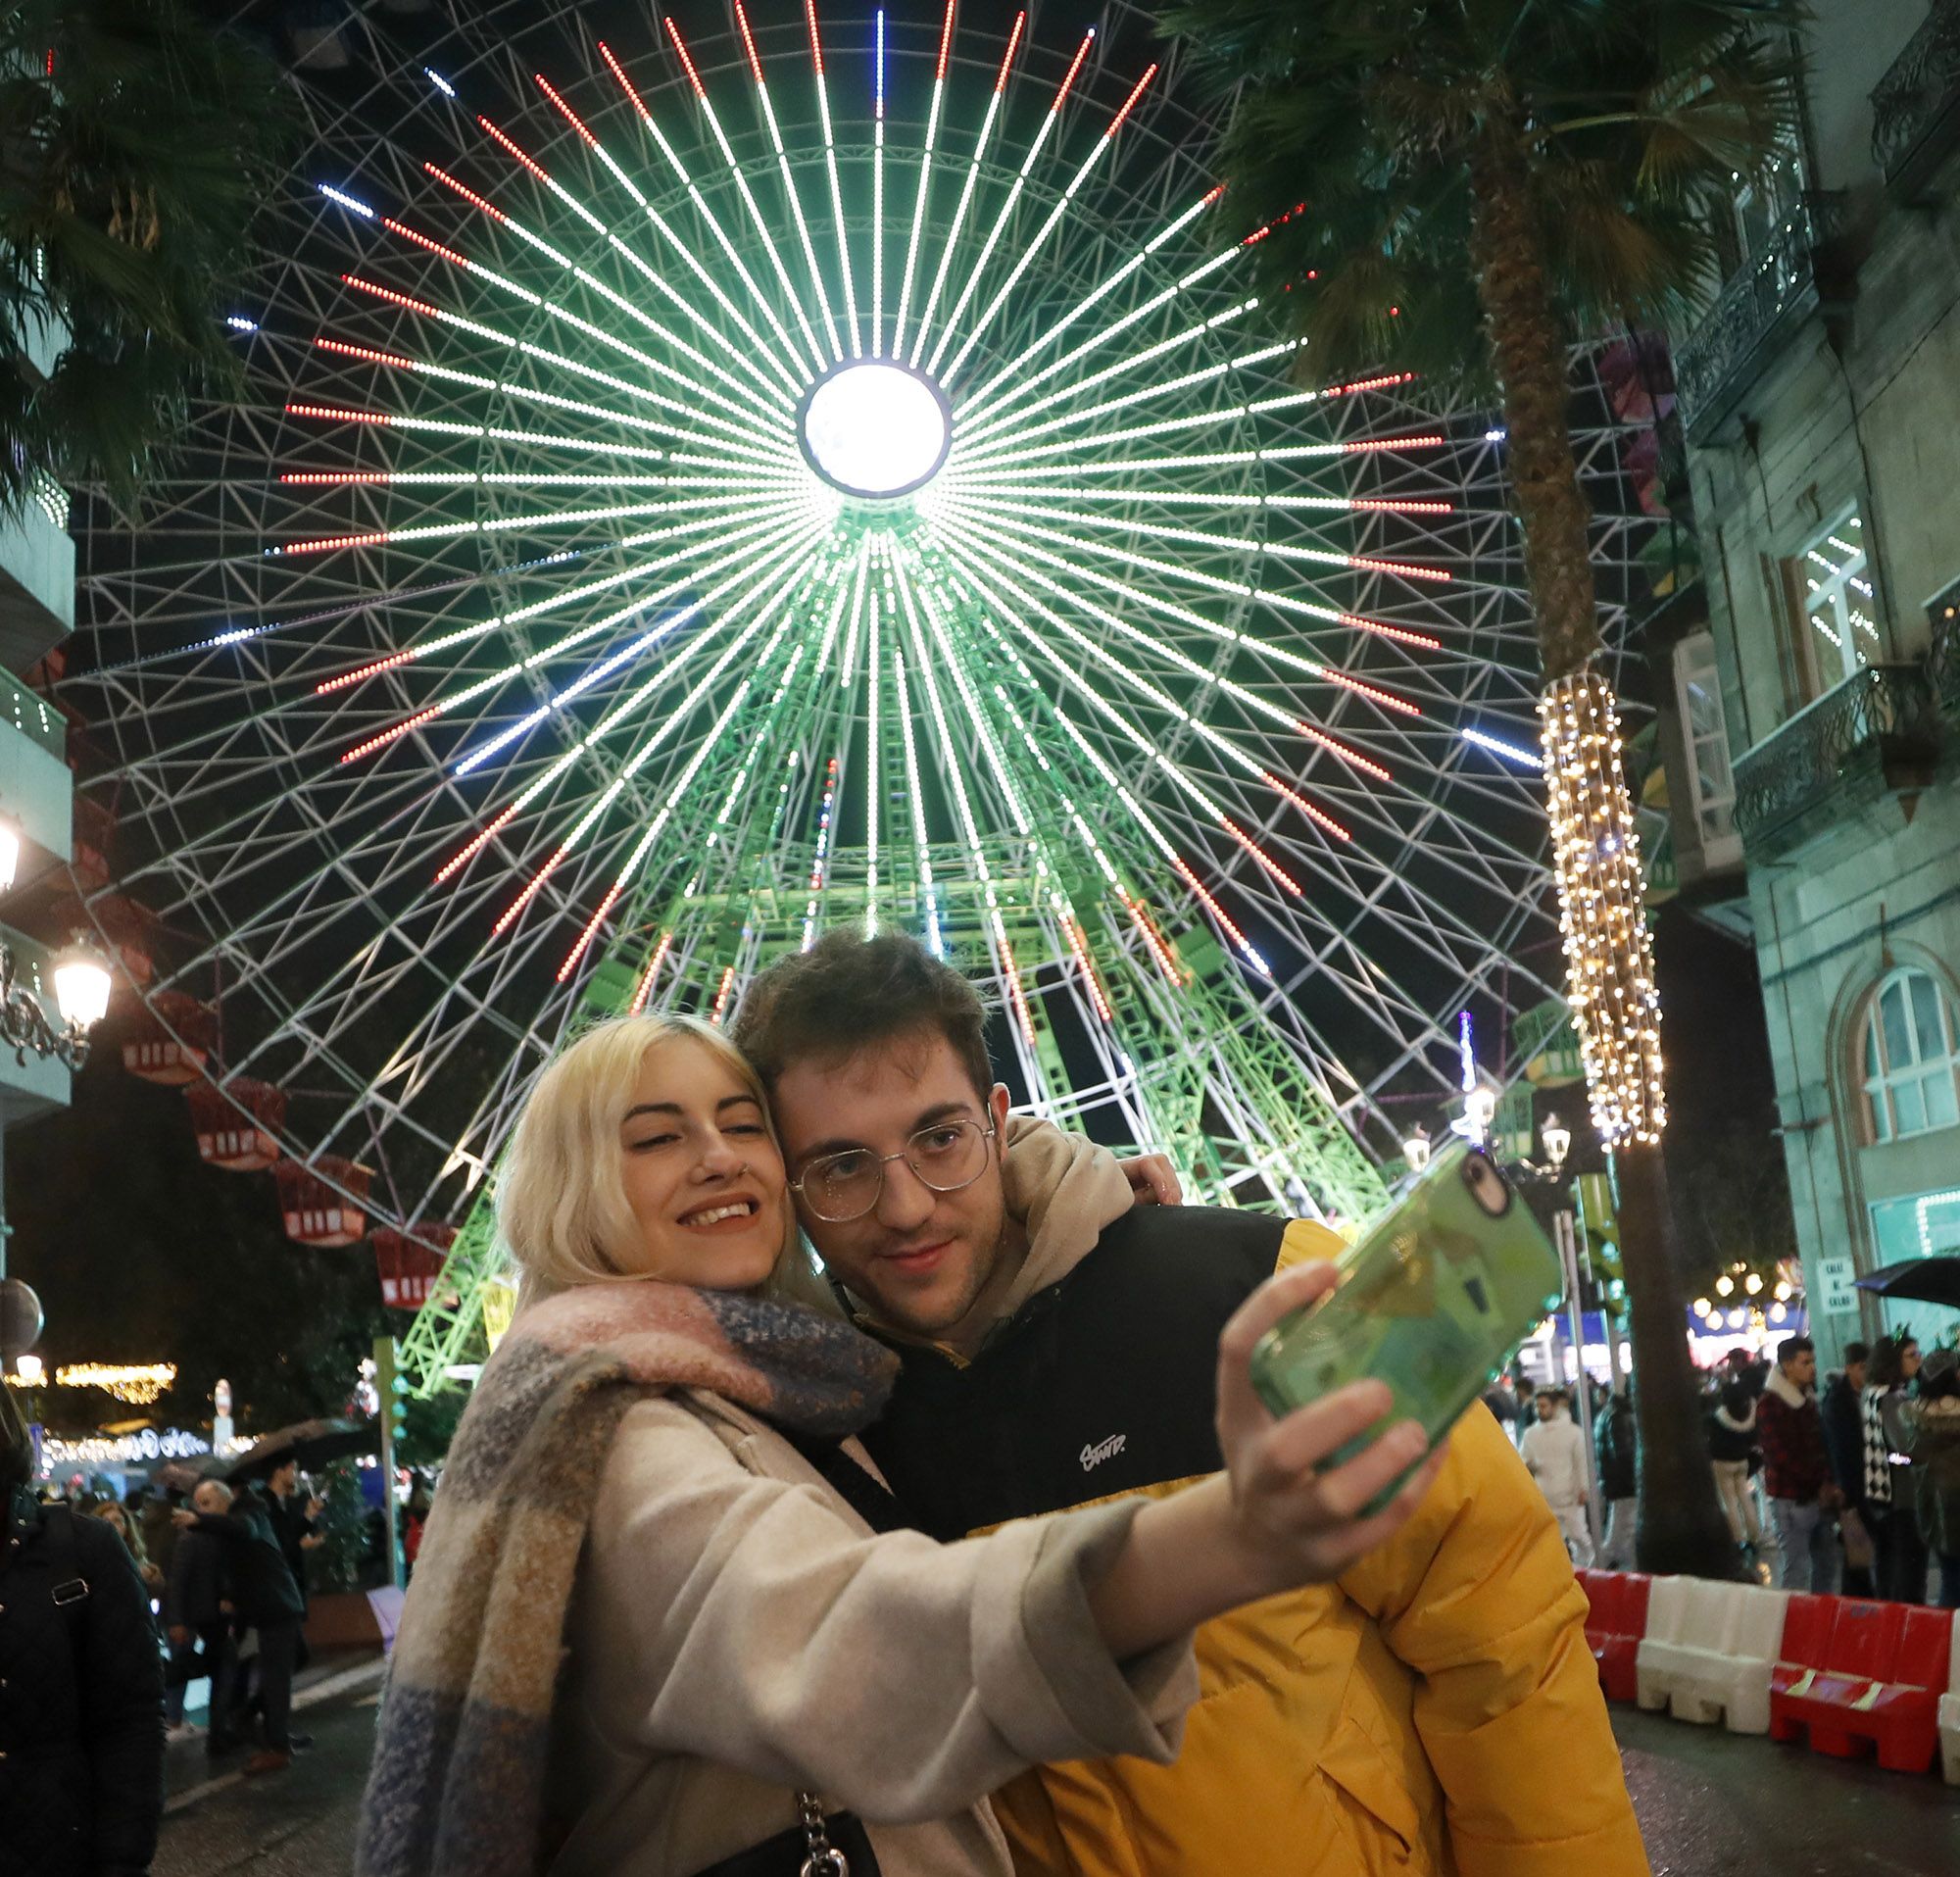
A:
704	1179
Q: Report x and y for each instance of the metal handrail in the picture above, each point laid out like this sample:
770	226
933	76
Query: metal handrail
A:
1803	759
1777	278
1919	91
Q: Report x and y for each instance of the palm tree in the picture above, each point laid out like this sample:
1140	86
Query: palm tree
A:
1465	188
137	143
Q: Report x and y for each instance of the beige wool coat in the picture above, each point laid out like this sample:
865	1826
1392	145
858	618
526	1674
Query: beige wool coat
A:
737	1632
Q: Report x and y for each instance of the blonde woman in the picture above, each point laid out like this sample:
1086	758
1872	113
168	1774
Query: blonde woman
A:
118	1519
664	1622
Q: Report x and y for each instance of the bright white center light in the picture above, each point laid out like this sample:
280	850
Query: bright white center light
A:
875	429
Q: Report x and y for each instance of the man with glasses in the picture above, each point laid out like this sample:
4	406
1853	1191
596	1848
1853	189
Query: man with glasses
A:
1058	1348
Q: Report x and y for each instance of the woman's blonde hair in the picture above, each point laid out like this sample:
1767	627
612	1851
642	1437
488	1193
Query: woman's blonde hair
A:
560	1196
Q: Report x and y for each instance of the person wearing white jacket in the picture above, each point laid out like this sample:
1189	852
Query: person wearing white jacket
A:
1554	1451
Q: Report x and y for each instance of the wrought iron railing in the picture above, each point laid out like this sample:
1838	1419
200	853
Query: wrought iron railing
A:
1720	358
1916	105
1879	731
1943	654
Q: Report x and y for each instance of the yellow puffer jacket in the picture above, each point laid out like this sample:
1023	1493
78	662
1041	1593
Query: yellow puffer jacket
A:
1436	1711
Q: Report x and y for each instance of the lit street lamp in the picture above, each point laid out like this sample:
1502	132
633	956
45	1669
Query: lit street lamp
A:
81	995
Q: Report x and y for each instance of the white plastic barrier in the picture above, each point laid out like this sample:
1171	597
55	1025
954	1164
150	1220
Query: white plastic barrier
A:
1949	1715
1708	1652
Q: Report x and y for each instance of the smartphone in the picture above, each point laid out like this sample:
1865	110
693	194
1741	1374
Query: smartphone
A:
1435	1299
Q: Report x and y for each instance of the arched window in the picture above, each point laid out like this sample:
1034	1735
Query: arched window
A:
1910	1058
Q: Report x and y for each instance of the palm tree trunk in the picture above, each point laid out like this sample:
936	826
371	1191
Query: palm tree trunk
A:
1680	1523
1681	1528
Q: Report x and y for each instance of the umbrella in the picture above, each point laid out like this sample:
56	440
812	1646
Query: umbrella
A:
186	1476
312	1443
1918	1280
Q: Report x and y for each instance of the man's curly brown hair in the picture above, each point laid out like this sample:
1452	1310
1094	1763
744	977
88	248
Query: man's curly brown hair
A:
848	994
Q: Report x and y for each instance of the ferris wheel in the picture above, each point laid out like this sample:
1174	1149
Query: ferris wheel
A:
786	469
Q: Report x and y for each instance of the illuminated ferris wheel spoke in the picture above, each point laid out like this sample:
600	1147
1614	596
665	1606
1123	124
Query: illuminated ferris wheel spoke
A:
878	192
751	404
763	522
1230	544
967	188
1039	240
762	605
1127	673
790	190
999	941
530	164
1143	745
1020	537
494	680
1004	558
995	390
924	183
761	351
836	192
980	461
762	300
983	440
1007	210
741	182
747	436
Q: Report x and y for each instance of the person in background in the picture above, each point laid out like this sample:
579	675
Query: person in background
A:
197	1619
1933	1441
118	1519
1900	1572
152	1511
82	1690
1843	1418
1615	1440
1554	1451
1795	1472
1527	1417
420	1503
1735	1452
269	1601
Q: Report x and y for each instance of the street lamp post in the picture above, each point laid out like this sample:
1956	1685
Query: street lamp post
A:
81	995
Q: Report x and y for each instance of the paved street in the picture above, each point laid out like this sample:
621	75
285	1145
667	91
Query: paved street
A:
1712	1806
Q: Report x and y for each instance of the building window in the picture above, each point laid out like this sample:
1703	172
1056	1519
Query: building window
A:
1704	739
1834	581
1910	1058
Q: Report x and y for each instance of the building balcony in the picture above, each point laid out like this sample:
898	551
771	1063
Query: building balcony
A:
1878	734
1757	315
36	577
1916	105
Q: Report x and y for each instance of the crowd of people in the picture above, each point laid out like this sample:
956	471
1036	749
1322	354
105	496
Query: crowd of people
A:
1856	1488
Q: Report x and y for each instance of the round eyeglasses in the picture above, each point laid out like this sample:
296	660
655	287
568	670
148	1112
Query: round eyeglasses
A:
944	1157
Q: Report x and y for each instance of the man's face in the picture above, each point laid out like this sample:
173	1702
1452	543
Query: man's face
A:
1801	1368
921	1259
213	1497
284	1479
1854	1375
1546	1407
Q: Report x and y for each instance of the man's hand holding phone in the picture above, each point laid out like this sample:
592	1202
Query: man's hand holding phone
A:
1296	1518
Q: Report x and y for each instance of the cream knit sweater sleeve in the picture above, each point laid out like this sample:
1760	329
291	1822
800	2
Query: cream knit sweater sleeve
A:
753	1621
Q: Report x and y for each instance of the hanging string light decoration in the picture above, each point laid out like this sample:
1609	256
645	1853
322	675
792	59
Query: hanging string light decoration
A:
1609	954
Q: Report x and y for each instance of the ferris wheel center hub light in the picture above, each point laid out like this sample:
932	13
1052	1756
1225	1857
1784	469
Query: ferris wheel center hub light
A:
874	430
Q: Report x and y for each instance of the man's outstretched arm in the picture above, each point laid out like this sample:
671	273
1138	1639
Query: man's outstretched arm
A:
1477	1595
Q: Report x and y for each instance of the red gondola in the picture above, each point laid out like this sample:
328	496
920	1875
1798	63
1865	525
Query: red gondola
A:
242	1143
410	1262
171	1040
322	1200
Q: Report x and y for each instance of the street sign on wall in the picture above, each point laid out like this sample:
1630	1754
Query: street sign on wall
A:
1836	1296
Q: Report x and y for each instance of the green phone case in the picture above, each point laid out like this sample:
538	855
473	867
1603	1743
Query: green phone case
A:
1434	1299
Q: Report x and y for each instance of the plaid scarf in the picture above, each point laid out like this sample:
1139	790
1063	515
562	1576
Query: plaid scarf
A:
457	1785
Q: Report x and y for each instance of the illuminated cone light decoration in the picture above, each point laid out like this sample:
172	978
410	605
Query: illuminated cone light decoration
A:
748	487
